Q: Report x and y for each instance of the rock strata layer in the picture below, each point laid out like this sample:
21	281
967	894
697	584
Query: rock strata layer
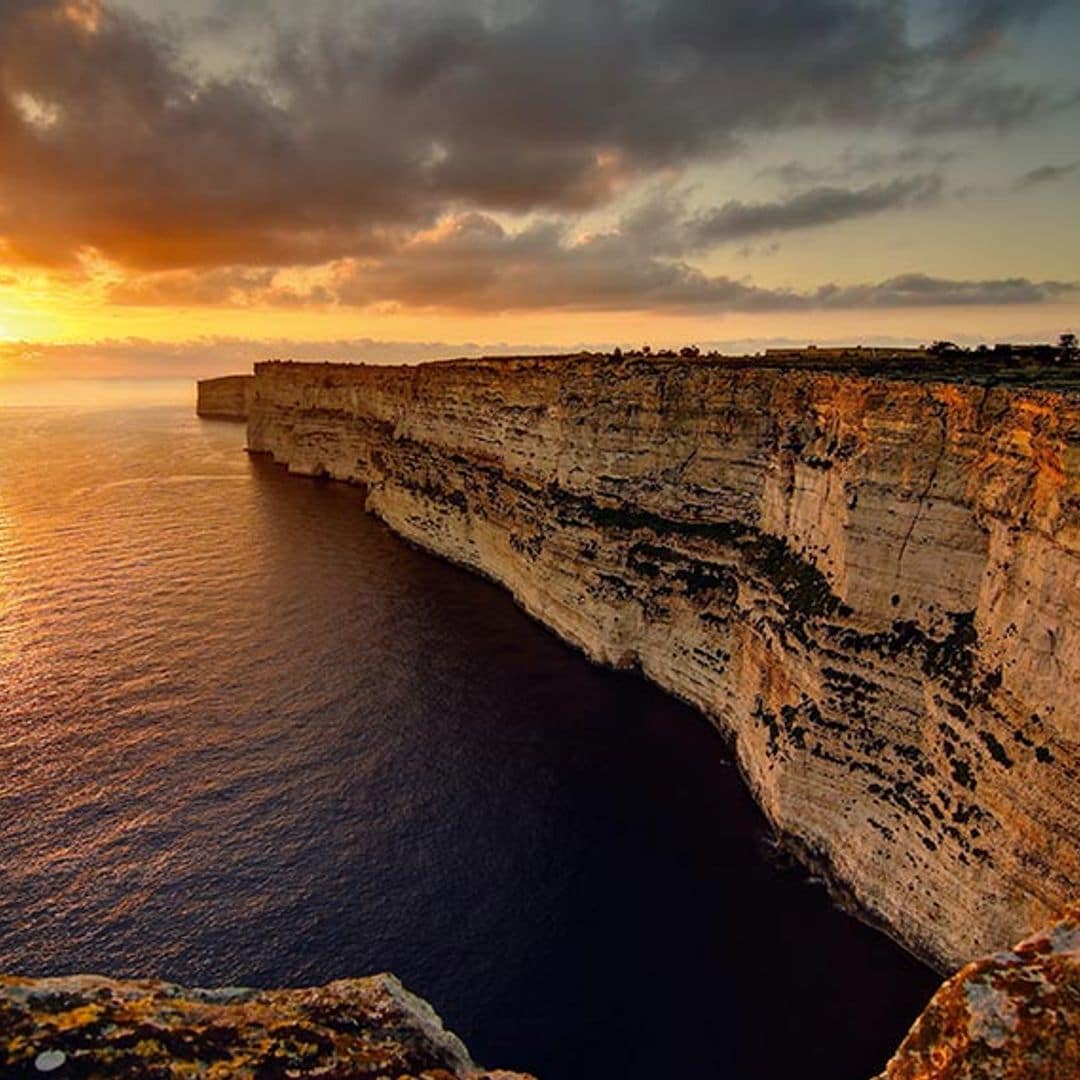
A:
85	1026
870	585
1011	1016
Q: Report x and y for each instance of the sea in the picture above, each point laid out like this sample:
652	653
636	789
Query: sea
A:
248	736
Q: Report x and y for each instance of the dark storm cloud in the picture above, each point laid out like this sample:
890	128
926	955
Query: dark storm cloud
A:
351	134
1048	174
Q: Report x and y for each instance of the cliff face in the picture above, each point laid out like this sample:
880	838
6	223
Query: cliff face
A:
871	586
85	1025
227	398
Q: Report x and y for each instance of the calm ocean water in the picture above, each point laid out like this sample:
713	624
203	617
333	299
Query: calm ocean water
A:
247	736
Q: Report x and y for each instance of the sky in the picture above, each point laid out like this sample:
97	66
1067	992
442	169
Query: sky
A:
188	185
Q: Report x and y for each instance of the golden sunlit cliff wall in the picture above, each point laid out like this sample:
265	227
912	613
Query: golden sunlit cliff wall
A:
870	585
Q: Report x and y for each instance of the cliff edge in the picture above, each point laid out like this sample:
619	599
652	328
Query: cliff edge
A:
869	583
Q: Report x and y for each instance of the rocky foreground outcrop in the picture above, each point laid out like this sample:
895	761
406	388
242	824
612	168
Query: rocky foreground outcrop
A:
1012	1016
86	1026
871	585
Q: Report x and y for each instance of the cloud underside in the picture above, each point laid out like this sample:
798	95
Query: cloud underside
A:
473	265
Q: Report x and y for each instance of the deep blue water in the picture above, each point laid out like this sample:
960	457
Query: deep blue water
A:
248	736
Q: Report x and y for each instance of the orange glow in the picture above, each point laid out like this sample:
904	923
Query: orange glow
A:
74	307
86	14
36	112
72	315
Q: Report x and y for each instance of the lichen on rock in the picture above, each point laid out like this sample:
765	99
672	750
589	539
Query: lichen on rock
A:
89	1026
1011	1016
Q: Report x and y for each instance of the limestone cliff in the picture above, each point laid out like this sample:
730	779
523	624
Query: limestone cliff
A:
227	398
88	1026
870	584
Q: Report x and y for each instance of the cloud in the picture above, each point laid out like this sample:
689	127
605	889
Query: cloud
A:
663	224
854	161
809	209
472	263
1048	174
922	290
347	129
953	104
978	27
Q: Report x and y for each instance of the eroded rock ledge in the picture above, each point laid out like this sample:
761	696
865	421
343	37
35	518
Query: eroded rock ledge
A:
85	1026
871	585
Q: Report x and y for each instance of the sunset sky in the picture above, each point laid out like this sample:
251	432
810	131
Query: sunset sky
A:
187	185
